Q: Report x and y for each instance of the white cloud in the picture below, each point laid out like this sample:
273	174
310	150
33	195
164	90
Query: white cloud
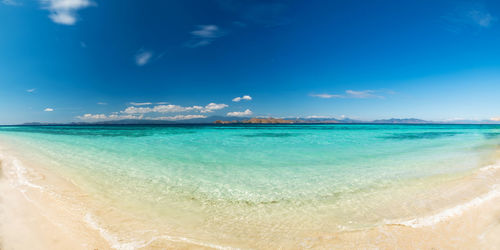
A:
245	97
93	117
136	110
103	117
177	117
143	57
364	94
48	110
170	108
152	112
204	35
140	103
102	103
240	114
65	11
30	90
122	117
96	117
213	106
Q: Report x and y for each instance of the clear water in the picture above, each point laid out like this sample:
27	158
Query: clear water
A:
217	180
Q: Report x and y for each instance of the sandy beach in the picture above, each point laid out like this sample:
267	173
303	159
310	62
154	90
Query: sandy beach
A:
42	210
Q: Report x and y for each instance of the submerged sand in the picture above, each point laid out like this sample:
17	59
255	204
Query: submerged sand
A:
39	209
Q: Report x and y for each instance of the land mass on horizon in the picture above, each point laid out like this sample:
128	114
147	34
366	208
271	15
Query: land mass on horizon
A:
265	120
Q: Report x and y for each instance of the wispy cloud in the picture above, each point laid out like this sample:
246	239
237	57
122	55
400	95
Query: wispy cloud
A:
239	24
65	11
265	13
247	112
496	119
243	98
207	31
102	103
363	94
11	2
143	57
48	110
140	103
327	96
481	18
468	17
30	90
204	35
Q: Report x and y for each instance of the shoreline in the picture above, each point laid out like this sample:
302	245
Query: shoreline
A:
33	217
470	220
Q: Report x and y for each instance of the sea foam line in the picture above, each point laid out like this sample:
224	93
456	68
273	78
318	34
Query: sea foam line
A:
457	210
490	167
451	212
19	171
115	243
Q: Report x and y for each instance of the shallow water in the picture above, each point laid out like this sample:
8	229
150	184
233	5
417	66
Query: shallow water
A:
235	183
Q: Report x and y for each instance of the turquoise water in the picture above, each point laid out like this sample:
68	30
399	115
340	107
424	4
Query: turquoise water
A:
217	175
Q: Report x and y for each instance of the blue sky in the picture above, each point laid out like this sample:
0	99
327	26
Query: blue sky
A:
89	60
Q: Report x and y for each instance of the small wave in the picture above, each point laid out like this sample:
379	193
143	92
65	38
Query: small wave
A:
113	241
19	171
451	212
490	167
459	209
116	243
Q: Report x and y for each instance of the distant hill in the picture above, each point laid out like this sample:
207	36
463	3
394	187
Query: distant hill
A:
326	120
271	120
39	124
268	120
402	121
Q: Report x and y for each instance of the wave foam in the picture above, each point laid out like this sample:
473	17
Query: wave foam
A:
451	212
115	242
19	171
490	167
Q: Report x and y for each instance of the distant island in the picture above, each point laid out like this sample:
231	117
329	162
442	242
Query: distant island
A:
272	120
269	120
262	120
